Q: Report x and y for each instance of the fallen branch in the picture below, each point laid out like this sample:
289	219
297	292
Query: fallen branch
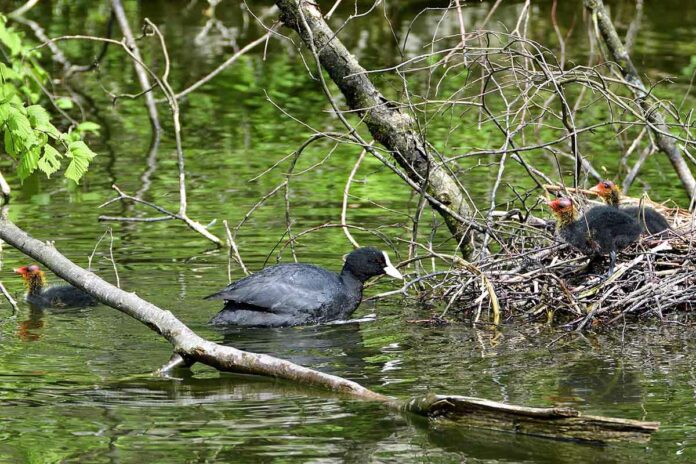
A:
190	348
566	422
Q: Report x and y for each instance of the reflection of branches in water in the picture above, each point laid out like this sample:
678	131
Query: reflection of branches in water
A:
140	71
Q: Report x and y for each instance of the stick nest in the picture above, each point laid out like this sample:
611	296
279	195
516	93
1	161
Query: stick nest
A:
538	278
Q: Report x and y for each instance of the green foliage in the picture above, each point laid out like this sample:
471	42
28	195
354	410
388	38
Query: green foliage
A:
27	132
689	69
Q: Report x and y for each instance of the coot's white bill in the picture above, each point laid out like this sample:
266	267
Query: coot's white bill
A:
390	270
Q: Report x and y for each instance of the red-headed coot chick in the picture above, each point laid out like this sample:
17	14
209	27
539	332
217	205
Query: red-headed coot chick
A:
602	230
55	296
650	220
295	293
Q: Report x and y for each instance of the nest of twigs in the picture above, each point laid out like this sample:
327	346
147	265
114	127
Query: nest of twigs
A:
545	280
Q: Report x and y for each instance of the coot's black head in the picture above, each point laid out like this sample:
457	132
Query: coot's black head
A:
364	263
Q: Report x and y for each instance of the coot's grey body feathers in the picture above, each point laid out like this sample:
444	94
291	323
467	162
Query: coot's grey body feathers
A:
293	294
289	294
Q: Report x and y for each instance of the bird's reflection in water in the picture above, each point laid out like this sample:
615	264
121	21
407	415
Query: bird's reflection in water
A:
335	349
32	329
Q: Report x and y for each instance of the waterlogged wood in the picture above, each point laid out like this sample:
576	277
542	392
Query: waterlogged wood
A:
630	74
191	348
561	423
390	126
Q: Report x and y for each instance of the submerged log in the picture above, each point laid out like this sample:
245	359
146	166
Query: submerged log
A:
560	423
394	129
190	348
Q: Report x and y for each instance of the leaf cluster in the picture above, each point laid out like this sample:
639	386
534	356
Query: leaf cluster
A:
28	134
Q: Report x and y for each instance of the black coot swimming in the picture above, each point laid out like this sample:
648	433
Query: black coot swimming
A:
602	230
650	220
295	293
55	296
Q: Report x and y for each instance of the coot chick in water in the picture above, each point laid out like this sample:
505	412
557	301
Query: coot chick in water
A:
650	220
296	293
602	230
55	296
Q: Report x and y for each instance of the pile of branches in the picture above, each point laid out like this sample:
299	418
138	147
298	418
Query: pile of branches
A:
538	278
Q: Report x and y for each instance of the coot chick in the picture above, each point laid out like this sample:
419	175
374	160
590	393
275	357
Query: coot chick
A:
602	230
295	293
650	220
55	296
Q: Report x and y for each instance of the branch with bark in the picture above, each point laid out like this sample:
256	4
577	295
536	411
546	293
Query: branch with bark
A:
393	128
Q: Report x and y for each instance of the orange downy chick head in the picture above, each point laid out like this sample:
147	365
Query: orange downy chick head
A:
32	275
561	205
564	210
605	189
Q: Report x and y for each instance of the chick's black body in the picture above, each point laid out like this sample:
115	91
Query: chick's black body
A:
602	230
57	296
650	220
294	294
61	296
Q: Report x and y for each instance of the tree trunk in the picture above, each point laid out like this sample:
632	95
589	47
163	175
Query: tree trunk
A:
630	74
391	127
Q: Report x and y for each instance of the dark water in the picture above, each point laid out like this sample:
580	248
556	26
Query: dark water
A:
75	385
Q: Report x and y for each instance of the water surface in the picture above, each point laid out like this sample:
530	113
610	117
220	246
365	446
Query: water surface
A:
75	384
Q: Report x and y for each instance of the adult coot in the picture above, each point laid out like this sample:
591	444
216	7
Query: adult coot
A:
650	220
294	294
56	296
602	230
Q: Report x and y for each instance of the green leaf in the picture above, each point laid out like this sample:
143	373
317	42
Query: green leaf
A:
81	156
7	73
28	163
88	126
49	162
10	147
38	115
64	103
5	109
11	39
41	120
80	148
21	129
7	91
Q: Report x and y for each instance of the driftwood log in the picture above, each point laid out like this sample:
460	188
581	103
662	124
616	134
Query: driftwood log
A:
394	129
548	422
653	115
561	423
